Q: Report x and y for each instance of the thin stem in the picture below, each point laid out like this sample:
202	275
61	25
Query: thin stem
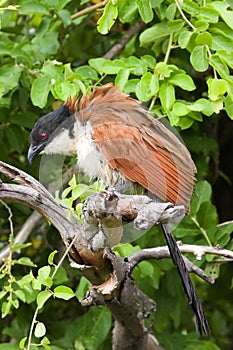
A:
89	9
54	272
31	328
210	54
9	217
153	102
184	17
203	231
169	47
64	255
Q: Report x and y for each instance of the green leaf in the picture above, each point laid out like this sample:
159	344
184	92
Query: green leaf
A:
208	14
51	257
216	88
25	261
226	15
44	272
204	38
20	294
180	109
199	58
63	292
208	219
40	90
131	85
167	96
98	320
112	67
175	25
79	190
44	276
184	81
22	343
18	246
186	228
149	60
10	74
147	87
97	64
145	10
65	17
122	77
53	69
229	106
82	288
184	38
6	307
42	297
202	105
63	90
2	294
164	70
108	18
190	7
87	72
202	194
171	11
15	303
45	342
40	330
28	8
155	34
128	11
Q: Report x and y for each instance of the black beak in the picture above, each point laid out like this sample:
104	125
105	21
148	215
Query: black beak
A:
33	151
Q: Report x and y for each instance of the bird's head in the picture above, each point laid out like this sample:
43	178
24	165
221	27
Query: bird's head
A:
50	132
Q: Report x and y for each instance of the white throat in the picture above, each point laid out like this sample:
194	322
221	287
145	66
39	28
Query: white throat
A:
62	143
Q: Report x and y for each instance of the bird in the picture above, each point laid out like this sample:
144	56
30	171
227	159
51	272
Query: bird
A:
118	141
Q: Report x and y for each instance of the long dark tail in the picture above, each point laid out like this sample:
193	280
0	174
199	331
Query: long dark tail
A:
190	291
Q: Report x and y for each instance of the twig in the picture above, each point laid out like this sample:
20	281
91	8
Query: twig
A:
184	17
89	9
9	217
161	253
23	234
120	44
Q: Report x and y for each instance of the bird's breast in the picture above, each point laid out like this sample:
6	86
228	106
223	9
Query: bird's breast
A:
91	160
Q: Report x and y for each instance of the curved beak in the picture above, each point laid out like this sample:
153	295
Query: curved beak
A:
33	151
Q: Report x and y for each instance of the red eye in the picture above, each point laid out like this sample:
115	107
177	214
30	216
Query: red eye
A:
43	136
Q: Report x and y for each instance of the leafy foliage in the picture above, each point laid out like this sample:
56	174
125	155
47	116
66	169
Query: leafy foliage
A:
179	66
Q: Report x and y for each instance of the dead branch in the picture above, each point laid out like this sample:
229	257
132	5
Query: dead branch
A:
120	44
109	274
89	9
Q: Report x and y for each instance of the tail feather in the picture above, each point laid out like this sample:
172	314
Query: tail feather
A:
190	291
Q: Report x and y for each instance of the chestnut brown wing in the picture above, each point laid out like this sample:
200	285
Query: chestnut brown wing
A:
142	155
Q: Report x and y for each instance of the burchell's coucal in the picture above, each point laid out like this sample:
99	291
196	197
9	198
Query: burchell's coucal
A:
116	140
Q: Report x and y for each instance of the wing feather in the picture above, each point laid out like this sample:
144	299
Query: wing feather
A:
139	146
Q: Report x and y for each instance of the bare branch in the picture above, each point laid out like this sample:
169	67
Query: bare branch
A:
120	44
89	9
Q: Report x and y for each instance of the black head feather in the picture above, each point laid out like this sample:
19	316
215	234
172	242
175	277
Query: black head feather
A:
47	128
